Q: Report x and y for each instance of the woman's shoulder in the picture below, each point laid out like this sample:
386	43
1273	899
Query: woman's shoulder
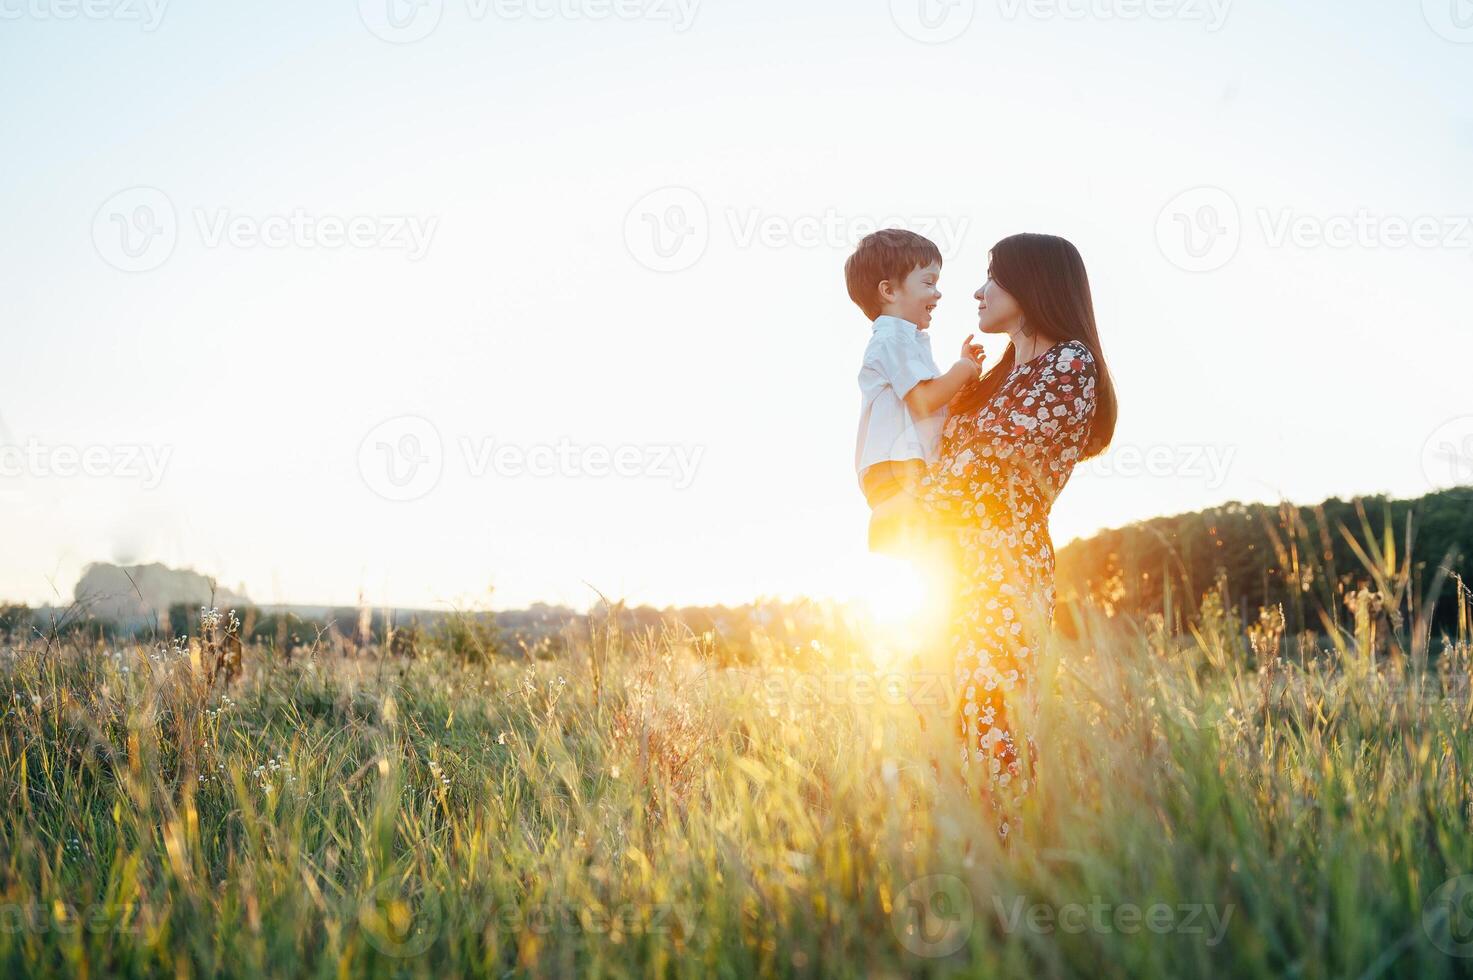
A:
1072	357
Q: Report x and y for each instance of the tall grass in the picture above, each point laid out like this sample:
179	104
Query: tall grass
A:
1210	801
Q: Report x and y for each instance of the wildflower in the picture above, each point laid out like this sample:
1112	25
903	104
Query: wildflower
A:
436	772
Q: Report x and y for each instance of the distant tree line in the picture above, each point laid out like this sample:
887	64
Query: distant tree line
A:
1306	559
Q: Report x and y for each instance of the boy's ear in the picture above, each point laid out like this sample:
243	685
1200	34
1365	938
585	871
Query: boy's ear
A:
886	289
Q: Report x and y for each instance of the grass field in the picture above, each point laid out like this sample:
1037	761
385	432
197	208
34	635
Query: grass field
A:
1208	803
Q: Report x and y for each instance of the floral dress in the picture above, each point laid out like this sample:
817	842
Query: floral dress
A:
989	494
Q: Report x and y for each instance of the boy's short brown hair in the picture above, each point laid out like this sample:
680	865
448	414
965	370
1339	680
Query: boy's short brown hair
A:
891	254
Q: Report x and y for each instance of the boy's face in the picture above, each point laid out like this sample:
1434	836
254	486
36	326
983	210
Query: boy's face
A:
915	297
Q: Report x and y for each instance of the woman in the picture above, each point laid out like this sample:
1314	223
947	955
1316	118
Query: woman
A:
1009	446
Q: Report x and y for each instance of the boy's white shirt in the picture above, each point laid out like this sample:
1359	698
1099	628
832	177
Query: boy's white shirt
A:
897	359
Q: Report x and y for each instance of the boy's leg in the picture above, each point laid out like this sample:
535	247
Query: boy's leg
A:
908	475
892	489
880	487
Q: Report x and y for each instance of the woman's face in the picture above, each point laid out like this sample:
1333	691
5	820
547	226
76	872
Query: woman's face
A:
997	312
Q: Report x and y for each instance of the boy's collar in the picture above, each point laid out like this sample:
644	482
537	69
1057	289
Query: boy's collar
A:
886	320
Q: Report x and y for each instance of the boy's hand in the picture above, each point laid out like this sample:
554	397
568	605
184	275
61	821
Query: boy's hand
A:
973	352
931	396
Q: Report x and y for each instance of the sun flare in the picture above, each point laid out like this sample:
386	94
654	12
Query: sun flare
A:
892	591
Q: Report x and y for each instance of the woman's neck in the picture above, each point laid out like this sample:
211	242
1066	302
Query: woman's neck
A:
1026	348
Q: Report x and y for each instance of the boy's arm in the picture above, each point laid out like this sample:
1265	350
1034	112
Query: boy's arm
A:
929	397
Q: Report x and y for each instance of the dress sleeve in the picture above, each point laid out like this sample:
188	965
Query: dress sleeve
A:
901	364
1052	414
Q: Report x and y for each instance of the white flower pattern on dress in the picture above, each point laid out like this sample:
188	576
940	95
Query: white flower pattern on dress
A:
993	485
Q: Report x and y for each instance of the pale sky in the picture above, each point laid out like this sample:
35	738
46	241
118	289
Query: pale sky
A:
261	261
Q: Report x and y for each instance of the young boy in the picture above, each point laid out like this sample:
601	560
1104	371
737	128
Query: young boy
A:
892	277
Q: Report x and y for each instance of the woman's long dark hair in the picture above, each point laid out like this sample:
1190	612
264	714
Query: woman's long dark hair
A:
1045	274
